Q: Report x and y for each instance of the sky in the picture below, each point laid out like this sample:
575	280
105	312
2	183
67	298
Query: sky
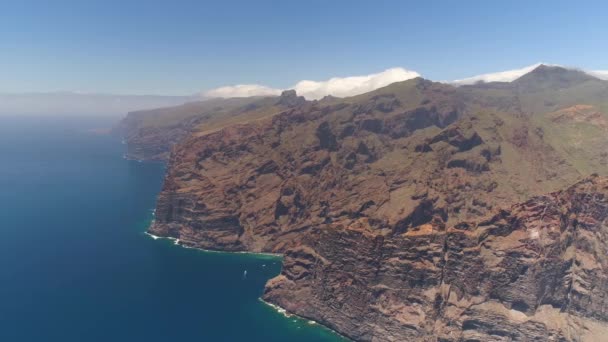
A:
190	47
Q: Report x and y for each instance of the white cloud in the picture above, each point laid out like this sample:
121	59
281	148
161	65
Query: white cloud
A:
512	75
601	74
354	85
313	90
503	76
242	90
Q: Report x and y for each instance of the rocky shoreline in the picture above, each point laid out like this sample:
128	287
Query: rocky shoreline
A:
177	242
276	307
310	321
453	302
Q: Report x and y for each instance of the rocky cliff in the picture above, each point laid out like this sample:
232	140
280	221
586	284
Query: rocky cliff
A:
534	272
151	134
397	210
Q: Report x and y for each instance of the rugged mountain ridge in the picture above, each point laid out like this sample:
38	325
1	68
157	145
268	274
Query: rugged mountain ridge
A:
150	134
385	206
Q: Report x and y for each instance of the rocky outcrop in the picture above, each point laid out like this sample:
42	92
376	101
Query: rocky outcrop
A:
290	99
534	272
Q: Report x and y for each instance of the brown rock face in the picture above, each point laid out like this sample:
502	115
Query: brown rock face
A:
397	211
395	160
535	272
256	186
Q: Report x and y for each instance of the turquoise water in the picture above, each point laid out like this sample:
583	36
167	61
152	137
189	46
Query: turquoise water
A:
75	264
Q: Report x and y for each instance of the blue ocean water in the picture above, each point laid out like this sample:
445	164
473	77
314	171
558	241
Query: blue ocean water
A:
75	264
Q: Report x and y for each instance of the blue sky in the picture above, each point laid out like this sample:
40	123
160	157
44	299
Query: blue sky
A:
184	47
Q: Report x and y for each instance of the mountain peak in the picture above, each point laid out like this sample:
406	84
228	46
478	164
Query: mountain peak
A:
543	66
509	76
496	77
548	69
551	77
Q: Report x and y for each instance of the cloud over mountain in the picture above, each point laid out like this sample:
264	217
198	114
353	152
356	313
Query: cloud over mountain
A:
354	85
512	75
503	76
242	90
601	74
313	90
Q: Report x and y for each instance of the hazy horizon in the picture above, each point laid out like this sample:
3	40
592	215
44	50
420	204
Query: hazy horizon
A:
193	47
82	104
74	103
119	56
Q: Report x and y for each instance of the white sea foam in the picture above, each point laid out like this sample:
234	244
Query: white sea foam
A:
177	242
289	315
277	308
153	236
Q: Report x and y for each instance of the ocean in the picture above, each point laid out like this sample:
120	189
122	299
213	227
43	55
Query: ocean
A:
76	264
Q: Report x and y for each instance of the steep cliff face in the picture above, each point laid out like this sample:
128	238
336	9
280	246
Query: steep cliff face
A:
397	209
252	187
400	157
535	272
151	134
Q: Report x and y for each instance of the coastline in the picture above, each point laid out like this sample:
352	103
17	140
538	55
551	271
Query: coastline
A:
176	242
275	307
288	314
